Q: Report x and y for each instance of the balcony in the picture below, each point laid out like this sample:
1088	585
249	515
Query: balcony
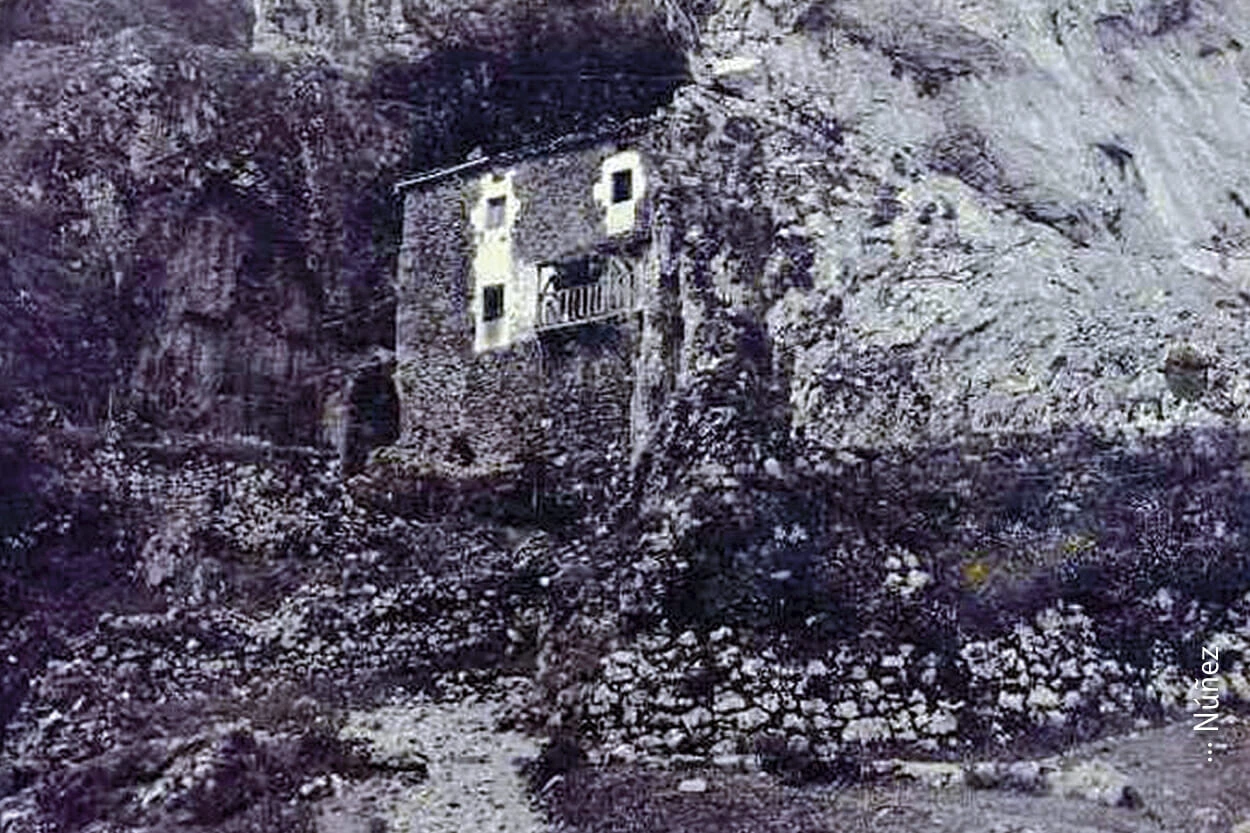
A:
585	290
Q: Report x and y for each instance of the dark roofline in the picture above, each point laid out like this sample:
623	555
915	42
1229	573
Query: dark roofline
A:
560	144
442	173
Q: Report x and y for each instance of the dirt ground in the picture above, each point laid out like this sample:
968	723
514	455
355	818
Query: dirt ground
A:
472	782
1167	768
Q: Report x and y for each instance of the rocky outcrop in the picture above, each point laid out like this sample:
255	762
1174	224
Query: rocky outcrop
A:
1021	212
419	27
205	231
225	23
202	222
981	240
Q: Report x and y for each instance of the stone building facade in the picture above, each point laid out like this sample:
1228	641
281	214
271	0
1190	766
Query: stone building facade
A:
526	290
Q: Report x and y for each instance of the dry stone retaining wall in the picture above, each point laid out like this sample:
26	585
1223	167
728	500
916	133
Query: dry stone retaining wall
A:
712	696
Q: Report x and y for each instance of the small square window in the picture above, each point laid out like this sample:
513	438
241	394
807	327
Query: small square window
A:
495	207
622	186
492	302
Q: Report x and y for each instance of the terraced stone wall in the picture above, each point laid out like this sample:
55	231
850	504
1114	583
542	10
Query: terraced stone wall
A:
717	696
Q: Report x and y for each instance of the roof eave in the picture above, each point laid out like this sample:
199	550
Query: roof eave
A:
561	144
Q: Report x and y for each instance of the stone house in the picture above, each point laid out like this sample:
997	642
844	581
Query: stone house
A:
527	332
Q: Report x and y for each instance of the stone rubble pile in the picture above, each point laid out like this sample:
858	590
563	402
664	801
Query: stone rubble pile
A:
195	715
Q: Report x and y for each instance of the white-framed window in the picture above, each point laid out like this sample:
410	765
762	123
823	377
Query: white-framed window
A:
619	190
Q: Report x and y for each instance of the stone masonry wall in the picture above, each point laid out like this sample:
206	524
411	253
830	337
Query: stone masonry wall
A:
589	376
995	597
565	398
696	697
433	325
199	508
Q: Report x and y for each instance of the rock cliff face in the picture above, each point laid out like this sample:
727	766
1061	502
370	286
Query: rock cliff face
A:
423	26
226	23
204	232
957	344
1030	214
192	230
965	282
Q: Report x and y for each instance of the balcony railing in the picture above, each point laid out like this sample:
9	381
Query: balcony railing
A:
613	293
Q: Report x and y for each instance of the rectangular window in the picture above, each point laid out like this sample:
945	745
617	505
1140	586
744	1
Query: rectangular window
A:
492	302
495	207
622	186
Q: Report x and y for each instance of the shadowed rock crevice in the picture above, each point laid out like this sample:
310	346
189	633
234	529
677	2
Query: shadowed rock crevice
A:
471	100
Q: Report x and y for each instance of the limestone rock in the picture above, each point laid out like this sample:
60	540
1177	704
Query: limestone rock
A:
729	702
866	730
693	785
752	719
1094	781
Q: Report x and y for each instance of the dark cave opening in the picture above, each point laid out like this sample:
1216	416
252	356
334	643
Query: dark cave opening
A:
373	417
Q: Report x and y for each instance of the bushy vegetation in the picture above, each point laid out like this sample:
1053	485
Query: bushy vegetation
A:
921	542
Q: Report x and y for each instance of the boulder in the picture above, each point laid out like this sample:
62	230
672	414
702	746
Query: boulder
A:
1094	781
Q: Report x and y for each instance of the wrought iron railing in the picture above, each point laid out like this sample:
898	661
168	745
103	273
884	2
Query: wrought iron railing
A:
613	293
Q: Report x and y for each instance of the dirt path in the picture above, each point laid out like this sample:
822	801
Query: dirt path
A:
473	783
